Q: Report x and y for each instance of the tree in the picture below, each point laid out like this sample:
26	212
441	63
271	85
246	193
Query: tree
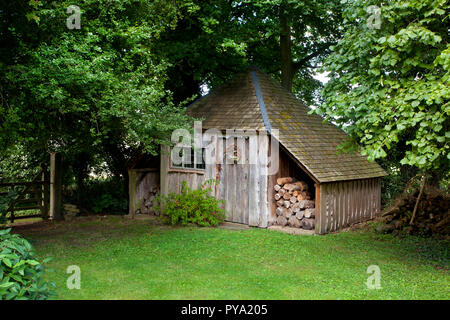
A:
97	90
214	40
389	82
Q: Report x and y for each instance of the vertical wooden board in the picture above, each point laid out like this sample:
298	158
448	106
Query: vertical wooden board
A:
221	169
355	201
343	204
263	204
230	190
332	207
379	196
364	193
323	209
245	185
354	197
372	198
367	198
253	213
338	205
335	205
318	205
358	200
349	203
271	181
238	213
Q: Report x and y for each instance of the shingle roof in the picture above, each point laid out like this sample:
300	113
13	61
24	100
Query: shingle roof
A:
253	100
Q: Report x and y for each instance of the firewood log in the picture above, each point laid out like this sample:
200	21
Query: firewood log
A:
286	196
295	193
279	211
282	221
277	187
291	187
287	213
287	204
284	180
277	196
293	199
280	202
305	204
310	213
296	207
300	214
303	186
294	222
308	224
281	192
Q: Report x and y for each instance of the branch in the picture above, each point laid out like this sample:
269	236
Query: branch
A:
297	65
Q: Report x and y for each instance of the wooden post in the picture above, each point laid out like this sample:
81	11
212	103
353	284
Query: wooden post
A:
55	186
317	206
132	192
45	193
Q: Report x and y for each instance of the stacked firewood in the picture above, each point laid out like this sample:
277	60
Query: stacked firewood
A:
294	204
148	203
432	214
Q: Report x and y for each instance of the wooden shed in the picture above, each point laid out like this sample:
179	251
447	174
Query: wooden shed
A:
345	188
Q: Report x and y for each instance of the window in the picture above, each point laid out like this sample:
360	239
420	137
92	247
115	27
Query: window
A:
194	159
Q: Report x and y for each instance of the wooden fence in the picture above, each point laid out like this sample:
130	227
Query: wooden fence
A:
347	202
30	197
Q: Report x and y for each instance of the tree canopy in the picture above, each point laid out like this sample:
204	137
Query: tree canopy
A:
389	83
97	90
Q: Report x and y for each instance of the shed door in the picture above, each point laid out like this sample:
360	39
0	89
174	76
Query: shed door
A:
234	174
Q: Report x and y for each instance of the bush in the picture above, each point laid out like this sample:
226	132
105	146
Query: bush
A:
192	206
5	201
102	196
21	274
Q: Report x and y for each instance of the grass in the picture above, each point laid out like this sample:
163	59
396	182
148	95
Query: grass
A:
139	259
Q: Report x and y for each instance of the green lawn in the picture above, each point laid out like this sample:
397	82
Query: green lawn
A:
139	259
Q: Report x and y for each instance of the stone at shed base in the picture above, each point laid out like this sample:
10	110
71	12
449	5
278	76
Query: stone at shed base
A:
291	230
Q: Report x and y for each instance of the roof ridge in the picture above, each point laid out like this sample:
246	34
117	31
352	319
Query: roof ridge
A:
260	98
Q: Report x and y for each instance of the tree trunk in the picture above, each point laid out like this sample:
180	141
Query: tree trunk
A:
287	68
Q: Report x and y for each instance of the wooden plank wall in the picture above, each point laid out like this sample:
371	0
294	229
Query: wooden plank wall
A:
347	202
243	186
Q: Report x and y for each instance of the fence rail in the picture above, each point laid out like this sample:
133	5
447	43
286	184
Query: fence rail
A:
31	196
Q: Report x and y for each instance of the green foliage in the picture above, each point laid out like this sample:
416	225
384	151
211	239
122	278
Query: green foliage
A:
389	87
215	39
22	276
5	201
192	206
101	196
96	90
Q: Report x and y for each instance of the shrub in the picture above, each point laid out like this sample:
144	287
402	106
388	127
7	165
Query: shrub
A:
101	196
192	206
22	276
5	201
